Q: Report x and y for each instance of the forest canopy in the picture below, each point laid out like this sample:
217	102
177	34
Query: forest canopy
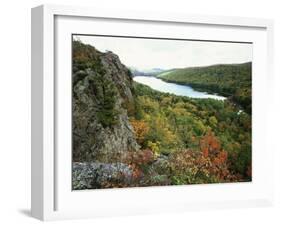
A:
230	80
194	131
126	134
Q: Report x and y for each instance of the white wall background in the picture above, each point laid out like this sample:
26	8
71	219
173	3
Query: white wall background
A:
15	112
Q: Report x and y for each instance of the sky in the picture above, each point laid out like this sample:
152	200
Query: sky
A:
145	54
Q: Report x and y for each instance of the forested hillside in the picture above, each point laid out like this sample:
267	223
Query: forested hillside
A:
230	80
196	140
126	134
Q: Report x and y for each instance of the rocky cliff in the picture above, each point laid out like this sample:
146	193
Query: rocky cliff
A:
102	96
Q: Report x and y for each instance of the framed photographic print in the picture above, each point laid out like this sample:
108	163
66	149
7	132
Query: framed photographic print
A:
137	112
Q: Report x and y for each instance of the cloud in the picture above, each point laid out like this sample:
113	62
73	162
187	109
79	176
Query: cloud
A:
157	53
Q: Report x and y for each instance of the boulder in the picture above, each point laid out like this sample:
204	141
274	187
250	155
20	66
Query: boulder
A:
100	175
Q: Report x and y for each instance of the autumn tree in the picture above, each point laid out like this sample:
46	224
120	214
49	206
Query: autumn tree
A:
141	128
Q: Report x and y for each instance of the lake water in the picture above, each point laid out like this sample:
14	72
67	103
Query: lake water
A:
180	90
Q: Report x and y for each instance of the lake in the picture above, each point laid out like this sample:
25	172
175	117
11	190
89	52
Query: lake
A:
168	87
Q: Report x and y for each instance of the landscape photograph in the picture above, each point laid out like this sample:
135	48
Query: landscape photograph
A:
159	112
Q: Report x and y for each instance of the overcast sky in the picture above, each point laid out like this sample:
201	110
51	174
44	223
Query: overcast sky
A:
166	54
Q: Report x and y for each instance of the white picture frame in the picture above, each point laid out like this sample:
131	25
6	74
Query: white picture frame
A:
52	197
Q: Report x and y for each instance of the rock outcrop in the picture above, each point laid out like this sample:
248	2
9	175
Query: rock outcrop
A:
102	97
100	175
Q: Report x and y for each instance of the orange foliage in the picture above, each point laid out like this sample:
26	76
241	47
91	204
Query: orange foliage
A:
220	158
205	152
211	160
136	159
209	144
140	129
140	157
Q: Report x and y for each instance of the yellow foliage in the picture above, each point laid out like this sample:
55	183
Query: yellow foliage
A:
148	104
213	121
141	128
155	147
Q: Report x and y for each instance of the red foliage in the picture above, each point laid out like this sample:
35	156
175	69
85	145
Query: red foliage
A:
209	144
220	158
205	152
140	157
213	165
136	159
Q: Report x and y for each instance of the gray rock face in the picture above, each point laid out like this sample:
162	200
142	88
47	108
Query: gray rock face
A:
100	175
161	165
102	95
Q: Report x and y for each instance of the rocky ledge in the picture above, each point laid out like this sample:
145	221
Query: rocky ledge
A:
100	175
